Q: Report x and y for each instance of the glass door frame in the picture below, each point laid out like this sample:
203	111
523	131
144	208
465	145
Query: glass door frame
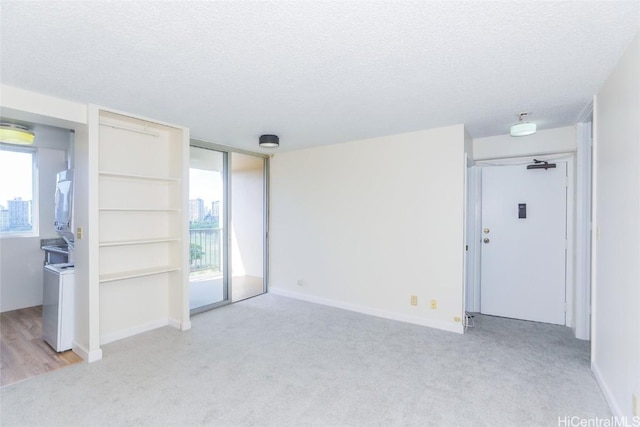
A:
226	184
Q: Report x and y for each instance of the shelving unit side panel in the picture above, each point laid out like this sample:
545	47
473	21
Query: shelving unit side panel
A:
176	296
179	148
180	298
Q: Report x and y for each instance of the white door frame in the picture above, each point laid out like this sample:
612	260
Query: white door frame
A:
473	211
472	303
584	196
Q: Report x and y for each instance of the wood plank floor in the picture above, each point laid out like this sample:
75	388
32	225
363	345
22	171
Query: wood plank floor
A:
23	353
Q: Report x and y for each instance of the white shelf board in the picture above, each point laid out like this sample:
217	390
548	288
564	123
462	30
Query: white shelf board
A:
139	177
137	210
138	242
132	274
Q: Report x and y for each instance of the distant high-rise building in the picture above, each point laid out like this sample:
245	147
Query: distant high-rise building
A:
4	219
215	209
19	213
196	210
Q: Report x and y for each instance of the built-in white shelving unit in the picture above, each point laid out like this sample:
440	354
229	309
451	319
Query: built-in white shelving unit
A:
141	209
142	244
141	177
137	242
131	274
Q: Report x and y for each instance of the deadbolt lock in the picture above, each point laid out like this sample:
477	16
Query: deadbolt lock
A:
485	231
486	240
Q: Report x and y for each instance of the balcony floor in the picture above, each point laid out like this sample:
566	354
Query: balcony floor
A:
206	288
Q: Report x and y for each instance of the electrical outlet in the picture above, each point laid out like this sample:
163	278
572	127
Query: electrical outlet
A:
434	304
414	300
300	282
457	319
634	405
79	233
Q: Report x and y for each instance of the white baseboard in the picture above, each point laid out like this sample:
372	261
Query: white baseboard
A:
145	327
88	356
436	324
613	405
183	326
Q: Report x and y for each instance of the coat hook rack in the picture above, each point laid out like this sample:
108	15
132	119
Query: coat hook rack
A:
541	164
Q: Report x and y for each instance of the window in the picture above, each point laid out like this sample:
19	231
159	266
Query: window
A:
18	213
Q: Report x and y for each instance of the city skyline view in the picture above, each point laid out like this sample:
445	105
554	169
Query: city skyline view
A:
16	191
15	176
204	185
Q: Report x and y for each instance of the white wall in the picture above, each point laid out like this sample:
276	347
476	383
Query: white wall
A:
616	290
366	224
549	141
21	258
20	273
41	109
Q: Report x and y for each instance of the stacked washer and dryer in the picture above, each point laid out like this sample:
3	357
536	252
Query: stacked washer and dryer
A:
58	293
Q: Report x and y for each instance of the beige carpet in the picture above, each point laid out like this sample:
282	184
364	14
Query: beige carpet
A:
274	361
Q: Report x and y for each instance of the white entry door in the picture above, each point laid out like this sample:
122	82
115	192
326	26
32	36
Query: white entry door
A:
524	217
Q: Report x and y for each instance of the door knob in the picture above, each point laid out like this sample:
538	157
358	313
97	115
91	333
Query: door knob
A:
485	231
486	240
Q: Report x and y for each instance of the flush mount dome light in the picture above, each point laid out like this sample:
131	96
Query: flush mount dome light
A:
523	128
16	134
269	141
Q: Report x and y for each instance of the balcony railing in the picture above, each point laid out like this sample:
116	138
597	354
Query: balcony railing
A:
205	249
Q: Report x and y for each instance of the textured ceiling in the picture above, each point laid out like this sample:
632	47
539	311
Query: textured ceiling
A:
319	72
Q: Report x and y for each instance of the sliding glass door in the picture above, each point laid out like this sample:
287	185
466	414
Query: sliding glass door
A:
227	226
247	226
208	284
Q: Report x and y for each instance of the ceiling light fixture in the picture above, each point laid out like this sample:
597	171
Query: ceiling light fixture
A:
269	141
16	134
523	128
